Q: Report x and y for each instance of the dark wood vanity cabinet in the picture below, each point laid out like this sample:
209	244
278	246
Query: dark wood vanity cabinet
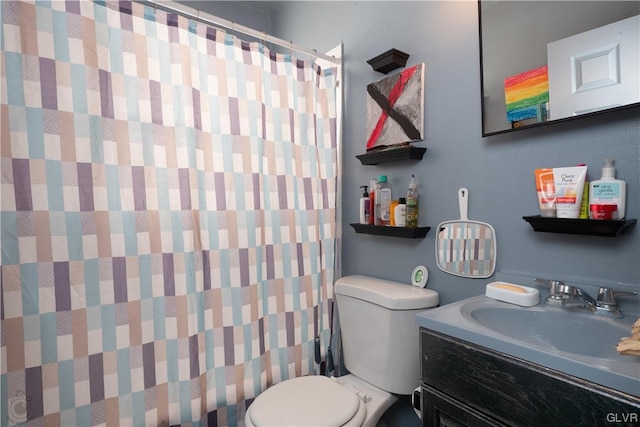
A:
464	384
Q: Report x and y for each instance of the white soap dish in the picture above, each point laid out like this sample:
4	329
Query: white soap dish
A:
512	293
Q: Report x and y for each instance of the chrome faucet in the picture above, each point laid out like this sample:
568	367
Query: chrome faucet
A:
589	302
562	295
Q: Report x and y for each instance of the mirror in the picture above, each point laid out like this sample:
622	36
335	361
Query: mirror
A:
586	52
464	247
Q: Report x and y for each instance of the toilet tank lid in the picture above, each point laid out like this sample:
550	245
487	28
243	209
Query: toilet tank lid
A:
392	295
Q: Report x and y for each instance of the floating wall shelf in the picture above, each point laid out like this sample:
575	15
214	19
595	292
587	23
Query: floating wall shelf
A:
589	227
386	230
392	154
388	61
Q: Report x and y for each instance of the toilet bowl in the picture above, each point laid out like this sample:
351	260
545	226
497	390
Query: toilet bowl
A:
320	401
380	342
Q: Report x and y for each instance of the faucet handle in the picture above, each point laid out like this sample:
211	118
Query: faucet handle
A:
557	288
608	296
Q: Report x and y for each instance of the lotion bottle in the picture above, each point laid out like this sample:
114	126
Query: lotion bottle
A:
364	206
608	191
401	213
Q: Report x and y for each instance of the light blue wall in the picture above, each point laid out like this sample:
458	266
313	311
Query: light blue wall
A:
498	171
255	15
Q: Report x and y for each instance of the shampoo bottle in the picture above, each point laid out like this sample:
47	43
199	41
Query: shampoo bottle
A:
412	204
383	201
606	192
392	212
364	206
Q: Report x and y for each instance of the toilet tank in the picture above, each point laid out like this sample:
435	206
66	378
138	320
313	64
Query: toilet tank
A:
380	336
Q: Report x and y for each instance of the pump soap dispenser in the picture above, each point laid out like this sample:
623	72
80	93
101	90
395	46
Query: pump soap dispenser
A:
364	206
607	196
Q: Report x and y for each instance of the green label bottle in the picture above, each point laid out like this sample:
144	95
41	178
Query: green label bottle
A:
412	204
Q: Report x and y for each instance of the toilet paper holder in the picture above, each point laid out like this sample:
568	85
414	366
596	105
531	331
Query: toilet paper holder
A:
416	401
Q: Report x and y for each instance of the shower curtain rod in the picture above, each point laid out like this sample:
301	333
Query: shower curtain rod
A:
207	18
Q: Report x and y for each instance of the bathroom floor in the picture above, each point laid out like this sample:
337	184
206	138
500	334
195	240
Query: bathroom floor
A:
401	414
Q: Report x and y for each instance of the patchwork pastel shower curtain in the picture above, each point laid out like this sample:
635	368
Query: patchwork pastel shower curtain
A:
168	216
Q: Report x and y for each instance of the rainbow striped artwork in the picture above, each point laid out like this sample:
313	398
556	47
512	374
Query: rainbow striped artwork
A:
527	94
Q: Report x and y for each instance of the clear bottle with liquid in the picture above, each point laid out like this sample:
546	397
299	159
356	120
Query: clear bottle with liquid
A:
412	204
383	201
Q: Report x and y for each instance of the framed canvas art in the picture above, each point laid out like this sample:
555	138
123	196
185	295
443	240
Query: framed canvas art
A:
395	109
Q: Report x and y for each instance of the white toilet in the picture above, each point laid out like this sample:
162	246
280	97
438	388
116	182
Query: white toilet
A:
380	340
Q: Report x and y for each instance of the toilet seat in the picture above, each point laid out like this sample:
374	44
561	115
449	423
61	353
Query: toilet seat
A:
308	401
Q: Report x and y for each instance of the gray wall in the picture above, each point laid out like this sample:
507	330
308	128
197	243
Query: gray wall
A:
255	15
498	170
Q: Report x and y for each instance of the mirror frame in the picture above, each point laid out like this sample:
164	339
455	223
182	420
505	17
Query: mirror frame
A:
532	125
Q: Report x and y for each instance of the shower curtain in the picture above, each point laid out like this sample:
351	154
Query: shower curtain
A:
168	216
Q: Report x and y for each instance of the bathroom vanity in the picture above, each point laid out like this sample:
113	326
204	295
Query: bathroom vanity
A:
464	384
489	363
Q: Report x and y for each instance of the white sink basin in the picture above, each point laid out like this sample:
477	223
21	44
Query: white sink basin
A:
574	342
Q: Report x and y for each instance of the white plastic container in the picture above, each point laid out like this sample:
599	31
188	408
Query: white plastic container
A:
512	293
608	191
400	213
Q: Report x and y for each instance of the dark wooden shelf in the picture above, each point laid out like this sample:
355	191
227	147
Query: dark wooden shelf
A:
386	230
589	227
392	154
389	61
